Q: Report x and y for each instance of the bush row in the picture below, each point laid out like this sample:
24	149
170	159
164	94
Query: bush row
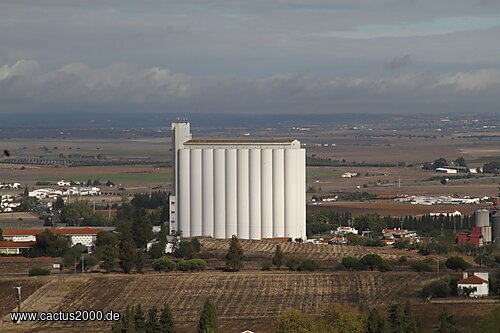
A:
167	265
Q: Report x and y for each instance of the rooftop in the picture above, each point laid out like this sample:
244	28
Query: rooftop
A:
59	231
15	245
232	142
473	279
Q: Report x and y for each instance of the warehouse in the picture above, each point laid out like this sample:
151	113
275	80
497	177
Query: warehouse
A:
250	189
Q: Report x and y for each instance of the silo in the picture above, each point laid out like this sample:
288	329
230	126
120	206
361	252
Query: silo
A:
183	193
195	192
482	218
231	193
495	223
219	193
266	204
207	158
254	198
243	227
278	193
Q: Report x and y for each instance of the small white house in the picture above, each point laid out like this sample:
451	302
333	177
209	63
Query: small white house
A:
346	230
349	174
446	170
477	281
63	183
169	247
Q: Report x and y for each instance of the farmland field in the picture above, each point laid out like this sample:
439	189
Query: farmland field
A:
244	301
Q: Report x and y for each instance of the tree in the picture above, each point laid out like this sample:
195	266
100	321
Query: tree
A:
49	244
107	238
456	263
153	325
351	263
437	288
278	258
59	204
166	320
185	249
338	318
372	260
140	320
447	324
108	256
293	320
461	161
375	323
138	261
141	229
208	318
26	191
157	250
234	256
130	320
127	256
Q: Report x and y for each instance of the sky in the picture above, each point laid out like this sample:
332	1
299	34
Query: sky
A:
250	57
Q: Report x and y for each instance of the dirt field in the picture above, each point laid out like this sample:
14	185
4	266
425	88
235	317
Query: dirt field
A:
391	208
244	301
326	253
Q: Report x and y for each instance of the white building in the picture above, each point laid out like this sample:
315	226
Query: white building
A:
251	189
349	174
446	170
63	183
86	236
477	281
346	230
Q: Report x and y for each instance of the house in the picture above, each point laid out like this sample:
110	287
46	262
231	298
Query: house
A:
63	183
338	240
455	213
346	230
398	233
169	247
446	170
469	238
15	248
477	281
349	175
77	235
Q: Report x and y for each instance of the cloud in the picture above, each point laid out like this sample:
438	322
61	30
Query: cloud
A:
121	87
400	62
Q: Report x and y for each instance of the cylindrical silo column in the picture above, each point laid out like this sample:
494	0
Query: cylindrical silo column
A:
254	198
243	227
266	177
195	191
207	172
231	193
219	193
302	194
291	192
183	189
278	193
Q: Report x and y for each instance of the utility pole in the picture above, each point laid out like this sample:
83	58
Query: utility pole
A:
399	182
18	298
83	263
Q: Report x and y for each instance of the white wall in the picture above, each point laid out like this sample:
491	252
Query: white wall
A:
250	193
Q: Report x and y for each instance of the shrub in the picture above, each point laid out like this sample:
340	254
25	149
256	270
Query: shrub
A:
351	263
191	265
36	271
437	288
385	266
421	266
292	264
372	260
163	264
456	263
266	265
308	265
